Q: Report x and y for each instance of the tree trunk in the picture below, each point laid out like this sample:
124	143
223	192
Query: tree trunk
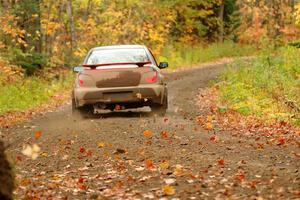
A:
221	19
71	22
38	25
88	8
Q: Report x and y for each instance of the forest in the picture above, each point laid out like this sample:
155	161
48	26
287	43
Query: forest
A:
37	34
230	127
41	39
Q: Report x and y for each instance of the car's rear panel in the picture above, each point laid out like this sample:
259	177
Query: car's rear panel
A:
119	83
116	76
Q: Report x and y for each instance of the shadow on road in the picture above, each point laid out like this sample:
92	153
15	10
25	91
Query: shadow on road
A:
125	114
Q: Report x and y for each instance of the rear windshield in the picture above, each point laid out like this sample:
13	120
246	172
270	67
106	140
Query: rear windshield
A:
117	56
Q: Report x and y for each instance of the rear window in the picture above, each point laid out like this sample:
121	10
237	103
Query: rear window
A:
105	56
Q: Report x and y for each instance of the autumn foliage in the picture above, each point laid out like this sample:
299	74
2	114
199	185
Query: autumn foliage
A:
36	34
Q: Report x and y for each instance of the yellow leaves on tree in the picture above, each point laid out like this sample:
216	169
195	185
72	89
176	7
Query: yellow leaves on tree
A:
50	27
297	14
10	28
267	20
251	32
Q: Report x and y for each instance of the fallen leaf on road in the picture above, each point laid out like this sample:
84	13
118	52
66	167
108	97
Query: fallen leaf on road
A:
149	164
213	138
166	120
190	181
164	164
82	186
140	169
164	135
31	151
19	158
281	141
209	118
221	162
168	190
89	153
80	180
105	156
45	154
297	193
170	181
56	178
130	179
253	184
101	145
147	133
82	150
178	170
117	157
37	135
241	176
109	145
209	125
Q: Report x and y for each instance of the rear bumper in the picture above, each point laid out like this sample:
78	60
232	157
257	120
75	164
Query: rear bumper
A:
137	94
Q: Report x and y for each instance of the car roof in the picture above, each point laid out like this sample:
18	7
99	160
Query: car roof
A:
120	47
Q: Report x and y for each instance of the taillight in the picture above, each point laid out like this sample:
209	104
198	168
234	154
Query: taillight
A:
151	77
80	82
84	80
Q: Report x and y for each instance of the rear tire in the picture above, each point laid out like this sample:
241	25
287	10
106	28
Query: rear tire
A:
161	109
81	112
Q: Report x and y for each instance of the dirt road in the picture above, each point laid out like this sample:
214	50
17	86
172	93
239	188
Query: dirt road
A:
135	155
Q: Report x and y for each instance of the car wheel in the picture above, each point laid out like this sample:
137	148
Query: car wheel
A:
161	109
81	112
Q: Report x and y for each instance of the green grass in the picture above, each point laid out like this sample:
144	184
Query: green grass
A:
268	86
179	55
30	92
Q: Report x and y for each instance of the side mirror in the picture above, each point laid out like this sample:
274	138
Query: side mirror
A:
77	69
163	65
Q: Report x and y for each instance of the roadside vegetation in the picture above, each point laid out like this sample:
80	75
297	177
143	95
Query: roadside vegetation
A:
180	56
31	92
268	86
20	92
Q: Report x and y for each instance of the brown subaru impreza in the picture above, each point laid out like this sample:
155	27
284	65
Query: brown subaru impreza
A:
119	77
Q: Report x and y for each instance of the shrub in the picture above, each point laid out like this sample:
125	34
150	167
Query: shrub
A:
179	55
31	92
268	86
30	62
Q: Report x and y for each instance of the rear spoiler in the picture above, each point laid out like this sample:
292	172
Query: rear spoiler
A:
139	64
